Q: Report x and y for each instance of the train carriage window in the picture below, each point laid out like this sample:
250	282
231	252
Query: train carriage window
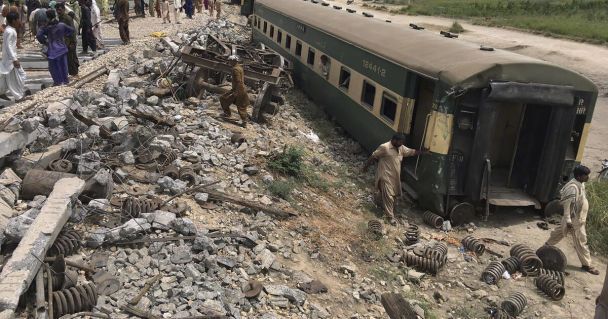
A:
279	36
288	41
311	56
369	94
389	107
344	82
298	48
272	31
325	66
265	26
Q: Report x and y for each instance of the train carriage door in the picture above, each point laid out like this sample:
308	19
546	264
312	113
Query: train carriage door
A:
422	110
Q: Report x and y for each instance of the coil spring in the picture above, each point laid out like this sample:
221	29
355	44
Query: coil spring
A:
67	243
557	275
473	244
438	252
171	171
166	158
492	274
511	264
514	304
64	280
424	264
133	207
187	174
550	287
375	228
528	261
432	219
74	300
187	140
61	165
411	234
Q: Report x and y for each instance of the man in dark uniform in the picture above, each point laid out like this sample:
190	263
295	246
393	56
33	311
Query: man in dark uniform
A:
122	16
86	27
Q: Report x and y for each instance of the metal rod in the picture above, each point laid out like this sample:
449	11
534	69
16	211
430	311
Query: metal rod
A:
145	289
49	279
72	264
40	299
426	126
521	123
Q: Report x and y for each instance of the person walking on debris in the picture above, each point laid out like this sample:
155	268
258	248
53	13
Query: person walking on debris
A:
12	75
71	41
166	11
388	175
96	21
122	16
189	8
177	4
53	36
238	94
86	27
199	6
575	205
211	8
218	8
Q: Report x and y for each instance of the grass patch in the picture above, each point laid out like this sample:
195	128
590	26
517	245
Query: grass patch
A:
597	218
281	189
290	162
583	19
456	27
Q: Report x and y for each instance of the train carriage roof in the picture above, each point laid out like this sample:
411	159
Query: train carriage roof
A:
453	61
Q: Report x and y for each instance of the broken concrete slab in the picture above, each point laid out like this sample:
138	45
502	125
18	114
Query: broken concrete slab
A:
39	160
20	270
10	142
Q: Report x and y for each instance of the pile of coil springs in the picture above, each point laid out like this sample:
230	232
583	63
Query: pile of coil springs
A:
529	263
473	244
433	259
73	300
432	219
133	207
412	234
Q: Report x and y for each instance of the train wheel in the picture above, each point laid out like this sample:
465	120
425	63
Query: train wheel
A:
462	213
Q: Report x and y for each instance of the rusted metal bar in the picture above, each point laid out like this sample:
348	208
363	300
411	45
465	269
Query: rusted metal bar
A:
72	264
40	299
145	289
103	131
138	312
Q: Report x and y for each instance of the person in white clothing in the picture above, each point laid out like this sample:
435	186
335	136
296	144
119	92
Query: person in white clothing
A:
12	76
96	21
177	4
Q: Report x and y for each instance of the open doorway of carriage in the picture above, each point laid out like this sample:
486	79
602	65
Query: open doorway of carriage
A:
518	151
422	109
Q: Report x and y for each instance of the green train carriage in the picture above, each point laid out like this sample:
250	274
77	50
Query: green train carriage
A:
502	129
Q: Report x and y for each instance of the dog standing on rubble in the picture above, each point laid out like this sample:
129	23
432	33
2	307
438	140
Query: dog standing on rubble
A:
238	94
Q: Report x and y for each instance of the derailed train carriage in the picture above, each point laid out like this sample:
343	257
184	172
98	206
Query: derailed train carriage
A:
502	129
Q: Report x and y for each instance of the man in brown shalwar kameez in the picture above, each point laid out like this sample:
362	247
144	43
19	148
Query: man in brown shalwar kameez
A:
388	175
238	93
122	16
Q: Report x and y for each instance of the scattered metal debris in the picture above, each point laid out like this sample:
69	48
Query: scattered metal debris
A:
529	262
411	234
557	275
551	287
375	229
432	219
514	305
74	300
511	264
424	264
493	272
66	244
473	244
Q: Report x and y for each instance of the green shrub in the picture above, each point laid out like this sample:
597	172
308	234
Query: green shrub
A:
281	189
289	162
597	219
456	27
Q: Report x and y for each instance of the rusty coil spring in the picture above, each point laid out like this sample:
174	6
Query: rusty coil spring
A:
64	280
61	165
67	243
187	174
550	287
74	300
473	244
514	304
424	264
432	219
187	140
492	274
144	157
171	171
438	252
557	275
501	314
411	234
528	260
133	207
375	229
511	264
166	158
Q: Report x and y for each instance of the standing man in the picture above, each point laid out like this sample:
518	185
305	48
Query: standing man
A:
388	175
122	16
575	205
218	7
177	5
199	6
70	40
166	11
137	7
238	94
12	76
96	21
86	27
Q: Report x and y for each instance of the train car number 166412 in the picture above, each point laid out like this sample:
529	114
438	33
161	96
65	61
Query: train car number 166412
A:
374	68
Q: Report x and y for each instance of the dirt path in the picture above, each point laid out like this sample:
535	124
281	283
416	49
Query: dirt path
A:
587	59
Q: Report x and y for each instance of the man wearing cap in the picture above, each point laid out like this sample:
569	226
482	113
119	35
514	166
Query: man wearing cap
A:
238	93
574	202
